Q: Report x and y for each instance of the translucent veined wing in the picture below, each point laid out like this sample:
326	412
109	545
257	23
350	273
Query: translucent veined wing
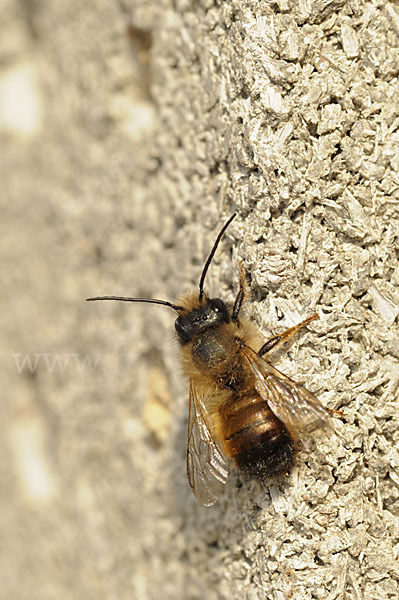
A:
293	404
207	466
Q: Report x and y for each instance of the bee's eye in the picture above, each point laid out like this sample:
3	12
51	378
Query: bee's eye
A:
183	329
219	309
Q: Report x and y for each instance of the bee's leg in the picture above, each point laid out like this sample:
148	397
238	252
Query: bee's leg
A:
240	296
283	337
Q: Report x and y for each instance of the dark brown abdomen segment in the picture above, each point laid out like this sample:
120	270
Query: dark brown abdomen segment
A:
256	440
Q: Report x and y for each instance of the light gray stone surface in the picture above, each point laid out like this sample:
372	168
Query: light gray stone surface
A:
129	132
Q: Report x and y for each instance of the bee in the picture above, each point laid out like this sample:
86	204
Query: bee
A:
242	410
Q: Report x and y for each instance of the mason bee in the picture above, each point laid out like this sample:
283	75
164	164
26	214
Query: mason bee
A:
242	410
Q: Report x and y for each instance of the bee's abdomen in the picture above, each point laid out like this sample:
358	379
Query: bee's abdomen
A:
256	440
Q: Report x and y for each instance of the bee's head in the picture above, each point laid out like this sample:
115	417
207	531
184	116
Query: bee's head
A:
211	313
193	317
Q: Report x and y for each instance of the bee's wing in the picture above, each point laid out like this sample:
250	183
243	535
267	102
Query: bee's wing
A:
293	404
207	466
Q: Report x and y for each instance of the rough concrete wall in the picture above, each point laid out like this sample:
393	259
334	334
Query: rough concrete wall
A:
129	132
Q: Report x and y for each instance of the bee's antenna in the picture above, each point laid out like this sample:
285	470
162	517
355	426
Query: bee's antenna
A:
151	300
211	255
